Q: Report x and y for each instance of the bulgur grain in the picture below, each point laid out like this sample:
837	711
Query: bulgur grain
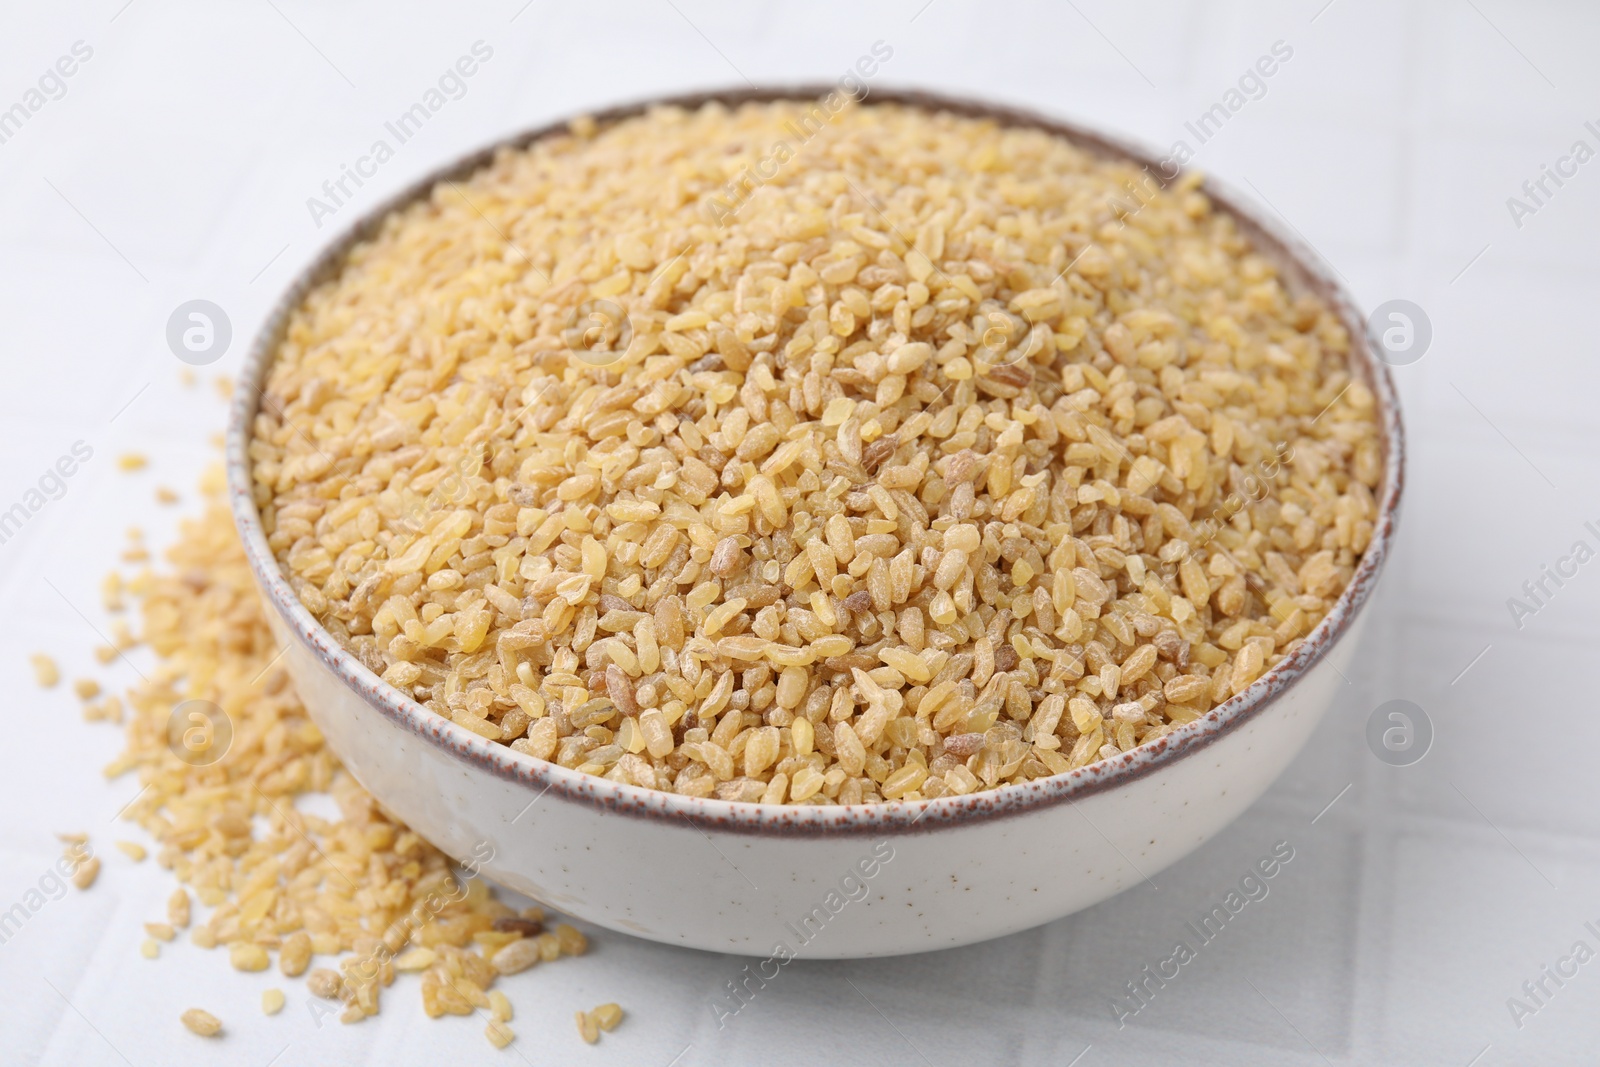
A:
272	1001
415	960
325	983
517	956
247	956
45	671
499	1034
607	1016
178	909
295	954
362	885
87	872
202	1022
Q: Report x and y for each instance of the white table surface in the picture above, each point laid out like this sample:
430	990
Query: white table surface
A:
177	165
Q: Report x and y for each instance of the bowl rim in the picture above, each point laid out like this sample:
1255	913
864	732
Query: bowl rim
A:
1299	263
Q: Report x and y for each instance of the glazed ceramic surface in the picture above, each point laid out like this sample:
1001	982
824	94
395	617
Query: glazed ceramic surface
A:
813	881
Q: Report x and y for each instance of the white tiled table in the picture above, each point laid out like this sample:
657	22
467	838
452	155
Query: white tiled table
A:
177	165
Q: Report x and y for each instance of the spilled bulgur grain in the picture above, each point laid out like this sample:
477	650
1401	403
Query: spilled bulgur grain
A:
352	892
603	1018
247	956
931	463
608	1016
111	592
178	909
45	671
88	870
202	1022
499	1034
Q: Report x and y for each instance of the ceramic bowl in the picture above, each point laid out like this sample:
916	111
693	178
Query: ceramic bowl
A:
840	881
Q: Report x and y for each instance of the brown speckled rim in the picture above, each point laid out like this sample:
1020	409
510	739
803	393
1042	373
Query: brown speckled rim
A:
1302	269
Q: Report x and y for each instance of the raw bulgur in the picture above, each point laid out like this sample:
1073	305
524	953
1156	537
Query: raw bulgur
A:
202	1022
88	870
354	891
45	671
953	455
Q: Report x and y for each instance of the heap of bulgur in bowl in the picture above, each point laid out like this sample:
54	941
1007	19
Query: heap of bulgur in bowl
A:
890	455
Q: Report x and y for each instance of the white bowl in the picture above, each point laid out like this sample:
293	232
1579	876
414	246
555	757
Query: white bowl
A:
817	882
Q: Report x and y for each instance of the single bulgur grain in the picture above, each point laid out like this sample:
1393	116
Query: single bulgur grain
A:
500	1005
416	959
131	461
122	635
528	924
324	983
929	409
248	956
272	1001
499	1034
607	1016
202	1022
111	587
517	956
149	948
571	940
160	931
164	495
45	671
88	870
588	1026
133	850
178	909
295	955
86	688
